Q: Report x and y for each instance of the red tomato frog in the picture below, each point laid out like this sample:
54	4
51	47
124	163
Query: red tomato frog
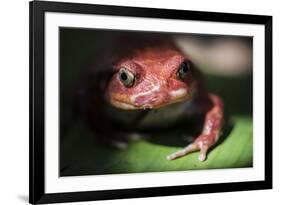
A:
148	82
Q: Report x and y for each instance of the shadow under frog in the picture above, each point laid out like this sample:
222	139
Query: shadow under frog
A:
184	133
175	132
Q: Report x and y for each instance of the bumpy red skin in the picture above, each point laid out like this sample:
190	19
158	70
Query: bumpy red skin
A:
152	66
155	66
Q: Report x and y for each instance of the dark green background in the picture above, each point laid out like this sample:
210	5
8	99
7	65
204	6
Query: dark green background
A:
81	155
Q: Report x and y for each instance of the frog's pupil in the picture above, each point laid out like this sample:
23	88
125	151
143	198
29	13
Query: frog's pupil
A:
184	67
124	76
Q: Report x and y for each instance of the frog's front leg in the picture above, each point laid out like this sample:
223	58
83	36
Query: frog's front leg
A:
210	133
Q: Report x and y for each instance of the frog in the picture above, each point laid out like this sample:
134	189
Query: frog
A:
149	82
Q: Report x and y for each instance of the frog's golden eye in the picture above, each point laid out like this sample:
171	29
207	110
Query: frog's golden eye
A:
126	77
183	70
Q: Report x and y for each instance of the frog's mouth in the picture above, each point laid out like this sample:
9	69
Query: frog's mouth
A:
153	100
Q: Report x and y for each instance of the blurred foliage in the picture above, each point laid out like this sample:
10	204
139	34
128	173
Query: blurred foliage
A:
81	155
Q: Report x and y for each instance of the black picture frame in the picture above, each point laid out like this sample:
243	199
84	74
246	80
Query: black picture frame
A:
37	194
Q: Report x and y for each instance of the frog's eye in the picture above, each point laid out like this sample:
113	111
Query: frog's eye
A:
183	70
126	77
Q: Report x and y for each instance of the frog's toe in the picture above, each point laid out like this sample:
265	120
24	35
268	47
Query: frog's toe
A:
183	152
203	153
203	148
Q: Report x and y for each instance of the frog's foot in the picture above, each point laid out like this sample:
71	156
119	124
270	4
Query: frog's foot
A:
202	143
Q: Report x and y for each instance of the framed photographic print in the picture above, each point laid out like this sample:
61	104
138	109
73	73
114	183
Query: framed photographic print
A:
140	102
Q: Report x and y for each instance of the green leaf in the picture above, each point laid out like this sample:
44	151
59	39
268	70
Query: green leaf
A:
81	155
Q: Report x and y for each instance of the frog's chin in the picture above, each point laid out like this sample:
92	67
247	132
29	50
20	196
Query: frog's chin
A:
128	106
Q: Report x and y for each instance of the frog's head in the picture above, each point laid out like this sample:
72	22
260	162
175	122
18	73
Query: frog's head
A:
151	78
